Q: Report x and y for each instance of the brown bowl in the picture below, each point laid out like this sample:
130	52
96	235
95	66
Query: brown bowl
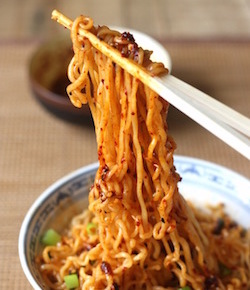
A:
48	79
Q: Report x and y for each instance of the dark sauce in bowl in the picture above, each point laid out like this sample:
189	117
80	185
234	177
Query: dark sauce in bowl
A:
48	79
59	86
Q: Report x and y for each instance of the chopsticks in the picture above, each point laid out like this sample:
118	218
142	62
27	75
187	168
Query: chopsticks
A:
221	120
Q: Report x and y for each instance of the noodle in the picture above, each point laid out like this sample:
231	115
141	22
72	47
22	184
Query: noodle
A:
146	236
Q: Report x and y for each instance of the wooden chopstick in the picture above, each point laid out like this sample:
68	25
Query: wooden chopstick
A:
222	112
222	121
209	118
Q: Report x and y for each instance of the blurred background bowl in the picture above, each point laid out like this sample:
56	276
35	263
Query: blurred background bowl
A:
48	78
48	73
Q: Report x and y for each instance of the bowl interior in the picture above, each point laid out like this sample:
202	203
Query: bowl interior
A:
48	78
48	66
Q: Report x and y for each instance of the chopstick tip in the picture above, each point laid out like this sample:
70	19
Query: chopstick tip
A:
55	15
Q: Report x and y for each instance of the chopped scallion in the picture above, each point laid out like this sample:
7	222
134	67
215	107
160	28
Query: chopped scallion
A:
92	262
51	238
220	224
185	288
224	270
91	228
71	281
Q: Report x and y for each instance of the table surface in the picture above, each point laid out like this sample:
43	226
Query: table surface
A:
209	43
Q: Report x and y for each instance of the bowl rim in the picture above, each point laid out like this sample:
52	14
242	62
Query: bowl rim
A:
81	171
47	94
36	204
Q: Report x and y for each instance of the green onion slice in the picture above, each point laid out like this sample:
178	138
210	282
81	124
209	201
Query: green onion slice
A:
224	270
91	228
71	281
51	238
185	288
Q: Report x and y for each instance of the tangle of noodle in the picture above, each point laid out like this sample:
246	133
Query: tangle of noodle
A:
147	237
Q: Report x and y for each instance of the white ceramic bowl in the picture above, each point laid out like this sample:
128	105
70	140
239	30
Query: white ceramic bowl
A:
160	54
202	183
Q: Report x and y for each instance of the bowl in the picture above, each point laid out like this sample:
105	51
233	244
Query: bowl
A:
202	183
48	73
48	78
159	52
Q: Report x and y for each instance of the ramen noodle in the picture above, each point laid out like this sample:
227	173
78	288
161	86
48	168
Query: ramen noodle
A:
138	231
